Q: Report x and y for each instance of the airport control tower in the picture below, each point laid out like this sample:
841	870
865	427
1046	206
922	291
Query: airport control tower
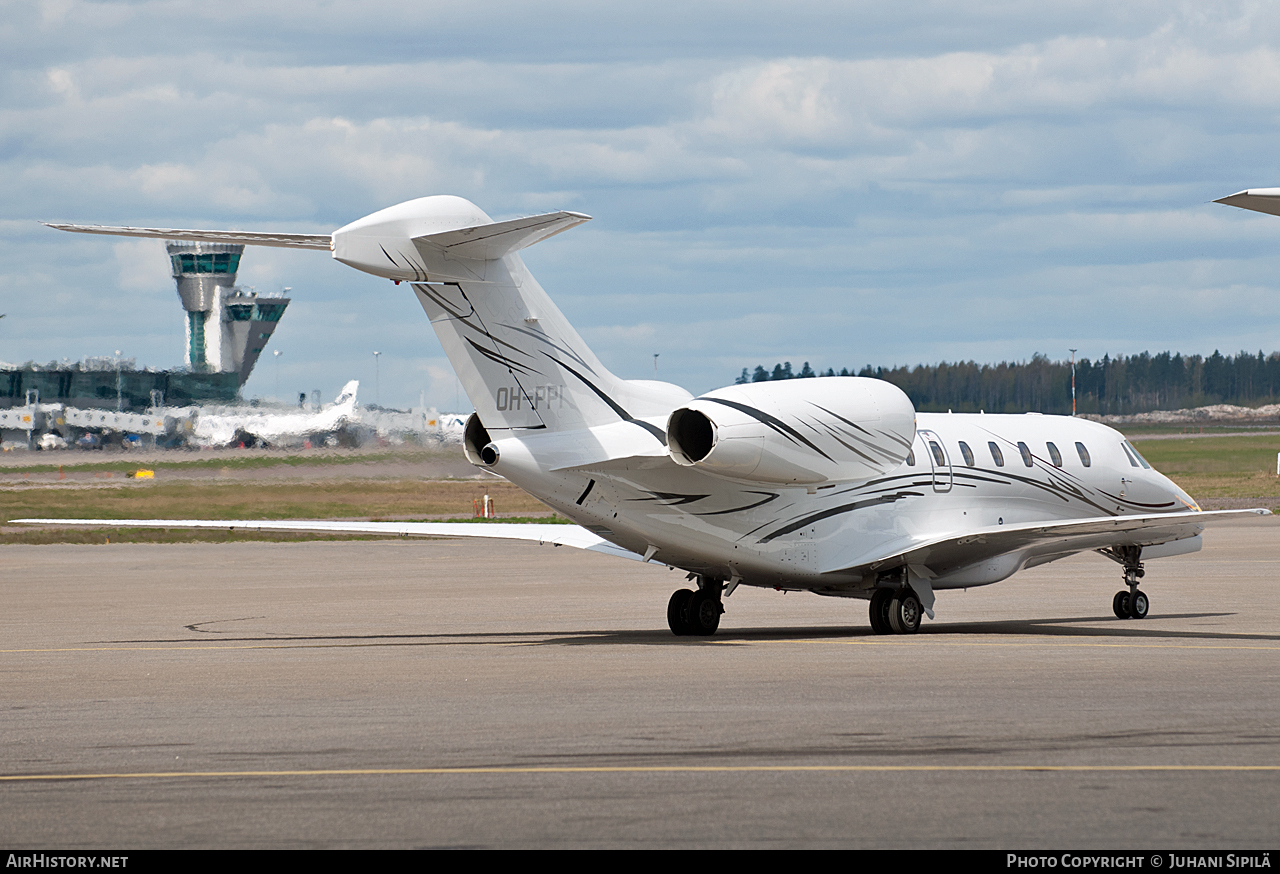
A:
227	326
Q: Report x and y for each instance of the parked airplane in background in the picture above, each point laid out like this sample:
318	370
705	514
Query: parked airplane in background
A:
832	485
275	428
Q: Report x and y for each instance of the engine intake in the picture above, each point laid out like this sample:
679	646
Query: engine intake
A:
691	435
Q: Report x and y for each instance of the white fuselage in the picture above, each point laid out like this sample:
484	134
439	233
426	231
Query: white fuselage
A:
801	536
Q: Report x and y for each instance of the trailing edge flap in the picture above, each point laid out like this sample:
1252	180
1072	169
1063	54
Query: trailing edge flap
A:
946	554
244	238
461	254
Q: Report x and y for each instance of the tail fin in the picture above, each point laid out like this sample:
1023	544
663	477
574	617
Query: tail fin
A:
520	361
347	397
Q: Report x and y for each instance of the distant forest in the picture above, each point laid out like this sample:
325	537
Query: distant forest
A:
1110	386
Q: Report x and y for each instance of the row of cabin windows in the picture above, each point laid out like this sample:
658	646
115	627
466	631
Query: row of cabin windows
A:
940	459
997	457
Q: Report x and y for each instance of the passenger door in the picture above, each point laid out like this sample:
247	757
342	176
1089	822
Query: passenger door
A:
938	459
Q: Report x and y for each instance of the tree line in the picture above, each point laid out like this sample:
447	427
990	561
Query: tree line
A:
1121	385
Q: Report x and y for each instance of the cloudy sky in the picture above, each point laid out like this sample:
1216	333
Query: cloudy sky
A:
836	183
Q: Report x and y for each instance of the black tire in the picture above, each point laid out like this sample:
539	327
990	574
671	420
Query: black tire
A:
905	612
703	613
1139	604
879	611
677	612
1120	604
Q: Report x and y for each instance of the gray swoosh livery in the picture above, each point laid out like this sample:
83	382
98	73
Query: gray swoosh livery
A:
832	485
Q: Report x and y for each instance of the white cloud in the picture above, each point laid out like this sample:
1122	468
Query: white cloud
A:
924	182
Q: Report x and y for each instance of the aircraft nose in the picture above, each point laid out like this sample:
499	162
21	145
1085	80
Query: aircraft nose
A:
1179	494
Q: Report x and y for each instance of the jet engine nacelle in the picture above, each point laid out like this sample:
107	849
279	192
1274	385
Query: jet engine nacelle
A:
801	431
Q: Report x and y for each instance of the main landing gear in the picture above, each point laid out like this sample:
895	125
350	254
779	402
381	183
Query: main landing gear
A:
1131	604
895	611
696	613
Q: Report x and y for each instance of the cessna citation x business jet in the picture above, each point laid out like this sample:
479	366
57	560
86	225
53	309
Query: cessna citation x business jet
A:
832	485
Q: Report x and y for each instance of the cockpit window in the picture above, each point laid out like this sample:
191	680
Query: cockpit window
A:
1084	454
911	457
1129	453
1137	455
1054	455
967	453
996	455
1026	453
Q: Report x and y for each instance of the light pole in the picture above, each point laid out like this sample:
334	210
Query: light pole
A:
377	381
1073	382
655	363
119	387
276	353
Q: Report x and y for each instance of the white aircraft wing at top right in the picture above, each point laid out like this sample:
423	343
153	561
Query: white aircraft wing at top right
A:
1257	199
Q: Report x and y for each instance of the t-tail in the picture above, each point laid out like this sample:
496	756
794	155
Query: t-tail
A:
520	361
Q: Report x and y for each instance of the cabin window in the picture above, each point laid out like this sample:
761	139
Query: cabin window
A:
1084	454
1026	453
938	457
1054	455
996	455
967	453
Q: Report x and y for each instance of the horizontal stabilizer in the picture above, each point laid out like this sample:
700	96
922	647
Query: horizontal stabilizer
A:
492	241
1257	199
243	238
554	535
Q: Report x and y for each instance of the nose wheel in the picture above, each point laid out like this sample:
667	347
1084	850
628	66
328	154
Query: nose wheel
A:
1131	604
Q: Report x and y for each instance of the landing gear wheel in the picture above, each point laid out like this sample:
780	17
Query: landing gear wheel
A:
677	610
703	613
904	612
880	611
1120	605
1138	605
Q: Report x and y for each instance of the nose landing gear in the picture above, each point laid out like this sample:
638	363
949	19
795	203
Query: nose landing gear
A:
1132	604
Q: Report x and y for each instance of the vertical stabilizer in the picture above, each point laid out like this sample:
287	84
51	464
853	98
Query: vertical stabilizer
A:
520	361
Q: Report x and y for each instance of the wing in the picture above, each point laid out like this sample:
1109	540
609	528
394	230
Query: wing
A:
244	238
1012	547
555	535
1257	199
